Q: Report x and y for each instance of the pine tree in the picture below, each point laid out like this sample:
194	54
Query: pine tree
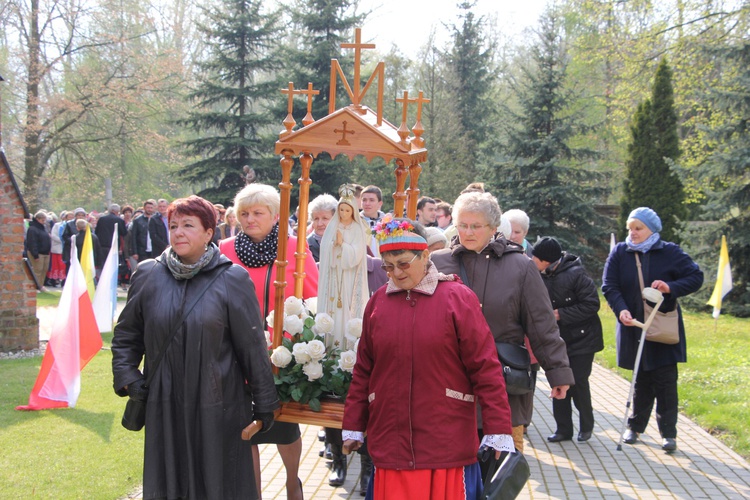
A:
726	173
548	176
321	27
470	78
231	119
650	181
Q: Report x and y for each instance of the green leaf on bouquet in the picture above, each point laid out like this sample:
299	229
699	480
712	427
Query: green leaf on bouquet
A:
314	404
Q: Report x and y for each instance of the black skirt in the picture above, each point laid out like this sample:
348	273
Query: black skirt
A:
280	433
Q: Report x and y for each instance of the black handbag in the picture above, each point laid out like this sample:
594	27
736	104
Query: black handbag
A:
134	416
507	475
516	361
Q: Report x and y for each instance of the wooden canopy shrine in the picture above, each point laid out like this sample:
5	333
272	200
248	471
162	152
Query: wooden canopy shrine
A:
352	130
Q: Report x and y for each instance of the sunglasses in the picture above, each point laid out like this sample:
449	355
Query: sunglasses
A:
401	265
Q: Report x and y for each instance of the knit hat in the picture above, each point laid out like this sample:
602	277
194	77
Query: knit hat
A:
547	249
435	235
648	217
397	235
79	210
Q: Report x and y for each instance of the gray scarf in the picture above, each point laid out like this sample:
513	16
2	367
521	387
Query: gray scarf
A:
182	271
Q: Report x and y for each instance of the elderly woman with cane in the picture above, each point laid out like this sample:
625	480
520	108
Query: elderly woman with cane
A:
424	345
643	258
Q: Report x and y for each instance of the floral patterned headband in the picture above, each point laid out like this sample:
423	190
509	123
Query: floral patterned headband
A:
397	235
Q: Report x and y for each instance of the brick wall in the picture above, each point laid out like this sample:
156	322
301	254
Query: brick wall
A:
19	326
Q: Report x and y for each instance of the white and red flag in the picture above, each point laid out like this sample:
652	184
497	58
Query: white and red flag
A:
74	341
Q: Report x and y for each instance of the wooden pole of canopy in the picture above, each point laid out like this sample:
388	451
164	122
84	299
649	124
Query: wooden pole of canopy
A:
413	192
304	197
399	197
285	188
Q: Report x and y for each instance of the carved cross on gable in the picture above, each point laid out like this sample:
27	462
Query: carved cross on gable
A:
343	132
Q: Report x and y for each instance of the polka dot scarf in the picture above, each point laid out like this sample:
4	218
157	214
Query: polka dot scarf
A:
257	254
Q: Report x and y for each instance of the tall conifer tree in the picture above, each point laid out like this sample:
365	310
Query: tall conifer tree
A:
650	181
725	176
231	118
321	27
547	176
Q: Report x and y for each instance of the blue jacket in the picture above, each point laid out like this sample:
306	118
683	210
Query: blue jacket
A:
667	262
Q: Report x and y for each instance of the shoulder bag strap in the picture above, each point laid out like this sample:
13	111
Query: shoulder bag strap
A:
266	296
177	326
640	271
462	271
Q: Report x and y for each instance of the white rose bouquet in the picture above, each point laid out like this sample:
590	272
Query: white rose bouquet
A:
307	371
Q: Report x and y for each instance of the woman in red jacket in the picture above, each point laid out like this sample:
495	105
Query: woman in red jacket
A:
257	209
425	357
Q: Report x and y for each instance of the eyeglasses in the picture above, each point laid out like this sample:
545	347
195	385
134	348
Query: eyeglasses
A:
401	265
473	227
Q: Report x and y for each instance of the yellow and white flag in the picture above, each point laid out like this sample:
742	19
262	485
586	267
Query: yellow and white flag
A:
723	279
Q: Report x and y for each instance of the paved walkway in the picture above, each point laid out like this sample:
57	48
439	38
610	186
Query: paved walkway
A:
702	467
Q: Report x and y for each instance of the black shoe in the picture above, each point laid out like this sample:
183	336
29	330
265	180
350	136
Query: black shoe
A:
364	480
325	451
321	435
629	437
338	471
584	435
669	445
556	438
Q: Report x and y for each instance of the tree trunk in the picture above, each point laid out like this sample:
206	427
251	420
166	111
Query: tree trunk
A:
32	133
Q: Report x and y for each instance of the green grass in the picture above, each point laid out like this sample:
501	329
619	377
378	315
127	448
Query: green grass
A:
72	453
714	384
84	452
49	298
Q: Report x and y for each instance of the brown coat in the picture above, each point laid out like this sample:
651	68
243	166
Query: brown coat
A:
515	303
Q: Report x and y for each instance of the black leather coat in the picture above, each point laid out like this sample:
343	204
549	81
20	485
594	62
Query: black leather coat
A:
573	293
198	401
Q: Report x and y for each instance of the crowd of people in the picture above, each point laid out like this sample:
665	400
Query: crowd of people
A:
437	296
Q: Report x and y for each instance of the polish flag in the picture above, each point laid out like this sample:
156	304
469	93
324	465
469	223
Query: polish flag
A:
73	342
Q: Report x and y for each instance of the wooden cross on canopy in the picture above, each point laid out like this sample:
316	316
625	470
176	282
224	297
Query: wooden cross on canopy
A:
418	129
357	46
403	130
308	119
289	121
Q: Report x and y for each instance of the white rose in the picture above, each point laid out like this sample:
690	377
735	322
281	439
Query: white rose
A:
316	349
313	370
293	325
354	329
312	305
323	323
301	356
269	319
269	340
293	306
281	357
347	361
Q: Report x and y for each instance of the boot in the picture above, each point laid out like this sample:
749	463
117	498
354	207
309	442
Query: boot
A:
364	480
338	467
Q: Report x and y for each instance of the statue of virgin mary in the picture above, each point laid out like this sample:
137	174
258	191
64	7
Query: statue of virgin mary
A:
342	283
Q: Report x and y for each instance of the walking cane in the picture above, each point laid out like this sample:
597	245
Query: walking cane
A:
655	296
